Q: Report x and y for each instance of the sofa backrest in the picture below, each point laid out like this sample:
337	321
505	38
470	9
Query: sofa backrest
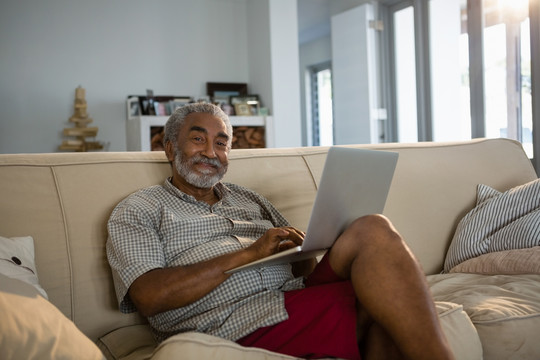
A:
64	200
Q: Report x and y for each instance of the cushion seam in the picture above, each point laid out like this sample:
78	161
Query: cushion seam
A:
310	172
66	235
510	318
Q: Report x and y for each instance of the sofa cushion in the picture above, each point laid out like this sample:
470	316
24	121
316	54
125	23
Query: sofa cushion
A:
504	309
519	261
17	260
500	221
136	342
33	328
201	346
459	331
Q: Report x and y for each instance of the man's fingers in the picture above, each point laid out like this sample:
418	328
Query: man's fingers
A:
289	233
295	235
285	245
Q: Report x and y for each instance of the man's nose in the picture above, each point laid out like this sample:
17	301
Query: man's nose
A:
209	150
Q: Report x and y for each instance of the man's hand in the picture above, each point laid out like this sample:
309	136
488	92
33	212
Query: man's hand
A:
276	240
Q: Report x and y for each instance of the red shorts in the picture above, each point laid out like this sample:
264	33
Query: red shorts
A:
322	320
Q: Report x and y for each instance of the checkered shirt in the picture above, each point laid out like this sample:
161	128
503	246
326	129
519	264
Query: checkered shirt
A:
161	226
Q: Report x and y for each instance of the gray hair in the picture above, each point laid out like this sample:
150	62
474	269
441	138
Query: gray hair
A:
176	120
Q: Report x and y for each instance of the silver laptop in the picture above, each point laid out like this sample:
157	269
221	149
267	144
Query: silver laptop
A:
354	183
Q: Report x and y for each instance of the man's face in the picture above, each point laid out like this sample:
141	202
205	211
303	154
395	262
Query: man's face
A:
201	158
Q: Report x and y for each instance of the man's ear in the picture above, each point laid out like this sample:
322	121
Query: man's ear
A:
169	151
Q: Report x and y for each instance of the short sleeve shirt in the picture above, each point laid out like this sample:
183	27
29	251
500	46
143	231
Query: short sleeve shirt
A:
161	227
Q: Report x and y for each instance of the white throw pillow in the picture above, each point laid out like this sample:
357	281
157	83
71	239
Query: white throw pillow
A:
17	260
32	328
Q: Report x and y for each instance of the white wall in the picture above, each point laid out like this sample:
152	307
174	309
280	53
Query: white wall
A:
285	72
112	49
316	46
354	77
259	53
273	65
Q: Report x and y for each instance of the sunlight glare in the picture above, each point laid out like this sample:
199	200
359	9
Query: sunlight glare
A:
515	7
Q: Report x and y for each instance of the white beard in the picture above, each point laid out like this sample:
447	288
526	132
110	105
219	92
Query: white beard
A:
204	181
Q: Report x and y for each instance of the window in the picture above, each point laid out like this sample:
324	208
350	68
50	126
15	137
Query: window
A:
322	113
507	62
405	75
449	55
473	69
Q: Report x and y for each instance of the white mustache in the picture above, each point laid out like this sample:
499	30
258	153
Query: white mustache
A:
204	160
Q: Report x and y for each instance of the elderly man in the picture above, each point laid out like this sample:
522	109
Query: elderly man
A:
170	245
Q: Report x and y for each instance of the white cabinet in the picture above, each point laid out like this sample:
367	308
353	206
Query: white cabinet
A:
139	129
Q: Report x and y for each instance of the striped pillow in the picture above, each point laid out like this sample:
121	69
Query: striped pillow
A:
500	221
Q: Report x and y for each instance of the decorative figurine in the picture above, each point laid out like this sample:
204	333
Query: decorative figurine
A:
80	131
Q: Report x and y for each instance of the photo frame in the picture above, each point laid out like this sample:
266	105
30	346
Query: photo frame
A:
179	102
242	109
254	107
227	108
134	108
233	100
162	108
220	92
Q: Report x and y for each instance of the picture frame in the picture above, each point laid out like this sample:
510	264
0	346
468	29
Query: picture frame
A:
242	109
254	107
179	102
233	100
134	108
227	108
162	108
220	92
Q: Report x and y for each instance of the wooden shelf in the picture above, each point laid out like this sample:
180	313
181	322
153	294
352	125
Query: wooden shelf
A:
138	129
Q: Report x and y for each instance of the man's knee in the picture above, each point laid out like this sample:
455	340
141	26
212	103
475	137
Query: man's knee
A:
366	235
371	228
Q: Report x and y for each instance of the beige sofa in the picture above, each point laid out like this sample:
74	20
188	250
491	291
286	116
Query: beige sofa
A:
62	201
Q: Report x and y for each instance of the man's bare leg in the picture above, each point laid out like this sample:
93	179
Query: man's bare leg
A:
374	342
390	286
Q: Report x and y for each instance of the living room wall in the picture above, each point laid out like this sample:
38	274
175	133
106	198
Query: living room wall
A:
112	49
315	45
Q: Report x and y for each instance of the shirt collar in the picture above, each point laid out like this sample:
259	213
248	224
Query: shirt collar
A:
221	190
